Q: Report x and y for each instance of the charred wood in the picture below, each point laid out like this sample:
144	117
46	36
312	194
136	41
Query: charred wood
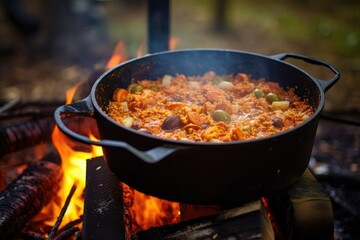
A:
103	206
26	114
6	106
18	103
24	134
20	109
67	234
23	198
64	231
236	223
62	213
34	131
32	236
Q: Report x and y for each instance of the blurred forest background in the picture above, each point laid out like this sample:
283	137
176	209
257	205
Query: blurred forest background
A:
47	46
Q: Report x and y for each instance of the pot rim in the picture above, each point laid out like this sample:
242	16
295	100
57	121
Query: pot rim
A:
190	143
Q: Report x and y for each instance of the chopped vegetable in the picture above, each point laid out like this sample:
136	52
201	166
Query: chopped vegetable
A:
246	128
120	95
194	84
305	117
128	122
166	80
281	105
225	85
124	106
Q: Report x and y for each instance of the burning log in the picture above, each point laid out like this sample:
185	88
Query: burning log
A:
32	132
28	193
24	134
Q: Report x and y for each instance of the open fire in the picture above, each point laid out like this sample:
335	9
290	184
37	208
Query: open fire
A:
146	211
150	213
335	161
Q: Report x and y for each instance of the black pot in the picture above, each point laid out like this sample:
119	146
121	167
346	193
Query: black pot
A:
204	173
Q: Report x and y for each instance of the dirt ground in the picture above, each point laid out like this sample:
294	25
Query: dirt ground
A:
68	39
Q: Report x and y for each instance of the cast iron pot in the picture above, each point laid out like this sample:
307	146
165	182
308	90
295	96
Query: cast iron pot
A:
203	173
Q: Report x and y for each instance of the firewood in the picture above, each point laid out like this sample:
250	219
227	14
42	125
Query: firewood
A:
24	134
67	234
26	113
69	226
303	211
31	132
9	105
23	198
53	231
242	222
103	206
17	108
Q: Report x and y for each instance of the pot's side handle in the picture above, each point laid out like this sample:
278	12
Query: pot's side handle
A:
325	84
85	108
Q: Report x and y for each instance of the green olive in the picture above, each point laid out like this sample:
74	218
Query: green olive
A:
221	115
258	93
272	97
136	88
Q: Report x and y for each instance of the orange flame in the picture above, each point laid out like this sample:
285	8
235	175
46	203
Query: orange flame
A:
147	211
139	52
74	166
119	55
71	92
173	43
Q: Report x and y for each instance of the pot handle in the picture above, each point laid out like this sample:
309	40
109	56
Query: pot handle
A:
85	108
325	84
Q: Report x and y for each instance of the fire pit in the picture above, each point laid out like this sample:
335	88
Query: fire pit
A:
31	174
276	215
